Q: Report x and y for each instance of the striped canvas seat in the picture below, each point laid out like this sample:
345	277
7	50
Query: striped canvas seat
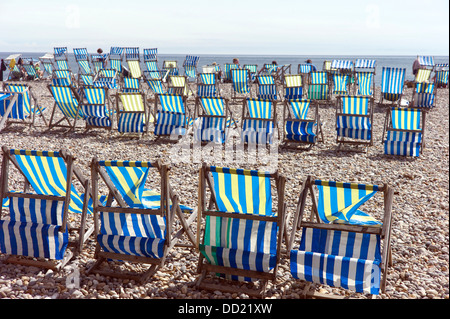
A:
171	117
354	118
207	85
131	85
190	66
150	59
297	126
31	71
340	245
115	58
156	86
178	85
253	69
82	58
86	79
258	124
341	84
441	78
365	64
365	83
132	117
133	60
293	88
67	100
106	78
96	107
213	121
241	81
64	75
426	61
245	249
227	71
170	68
267	88
304	68
424	95
423	76
392	83
404	132
318	86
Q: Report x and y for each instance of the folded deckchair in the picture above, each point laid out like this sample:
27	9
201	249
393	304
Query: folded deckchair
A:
115	58
136	224
403	132
67	100
241	83
190	66
240	230
96	106
424	96
318	87
132	113
133	59
340	245
267	87
213	119
207	85
354	118
299	128
392	83
39	224
259	120
19	105
172	115
61	58
293	86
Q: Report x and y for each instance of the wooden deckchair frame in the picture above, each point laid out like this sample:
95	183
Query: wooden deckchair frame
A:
246	115
71	126
314	222
146	112
172	240
187	113
210	208
83	233
108	105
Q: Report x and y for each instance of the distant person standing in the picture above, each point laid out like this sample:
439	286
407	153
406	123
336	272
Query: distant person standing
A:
2	69
101	57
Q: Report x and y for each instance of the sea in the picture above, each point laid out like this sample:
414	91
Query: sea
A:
399	61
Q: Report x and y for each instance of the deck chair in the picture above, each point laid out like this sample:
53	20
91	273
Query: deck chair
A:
178	85
30	70
299	128
213	119
207	85
156	86
96	105
39	222
341	84
61	58
133	117
14	72
243	231
66	98
82	57
67	77
241	84
267	87
170	67
227	67
172	115
47	63
133	59
426	62
190	66
130	85
354	118
392	84
18	105
259	121
424	96
106	78
441	75
136	224
403	132
364	75
293	86
253	68
340	245
151	59
115	58
318	87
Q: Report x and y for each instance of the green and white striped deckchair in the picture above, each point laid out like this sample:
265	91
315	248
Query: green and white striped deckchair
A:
67	101
253	68
39	221
340	245
243	231
138	224
132	113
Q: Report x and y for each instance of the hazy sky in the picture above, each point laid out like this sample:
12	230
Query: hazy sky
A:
382	27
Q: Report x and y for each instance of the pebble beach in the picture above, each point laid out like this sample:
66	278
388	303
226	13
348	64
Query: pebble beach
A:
420	229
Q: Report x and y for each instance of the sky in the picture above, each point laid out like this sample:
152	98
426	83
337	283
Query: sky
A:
276	27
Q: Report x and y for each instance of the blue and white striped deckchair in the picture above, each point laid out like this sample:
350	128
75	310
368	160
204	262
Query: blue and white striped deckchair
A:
67	100
426	62
341	84
47	64
243	231
424	95
132	113
190	66
404	129
38	224
30	70
172	115
354	118
258	121
82	58
66	75
392	83
150	60
207	85
318	88
130	85
441	75
293	86
213	119
19	105
253	68
61	59
267	88
96	106
156	85
304	68
241	83
170	67
366	65
340	245
298	127
227	71
86	79
106	78
136	224
364	75
115	58
133	59
342	65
